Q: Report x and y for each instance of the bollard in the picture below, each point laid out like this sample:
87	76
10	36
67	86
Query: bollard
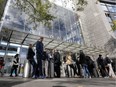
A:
27	68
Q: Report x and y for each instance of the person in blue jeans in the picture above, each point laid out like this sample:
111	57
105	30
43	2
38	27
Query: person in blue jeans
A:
39	56
83	62
86	71
30	57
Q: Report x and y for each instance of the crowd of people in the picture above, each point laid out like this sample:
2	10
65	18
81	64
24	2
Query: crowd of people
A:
85	67
50	63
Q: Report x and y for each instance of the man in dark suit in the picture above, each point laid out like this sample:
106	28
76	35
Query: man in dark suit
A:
39	54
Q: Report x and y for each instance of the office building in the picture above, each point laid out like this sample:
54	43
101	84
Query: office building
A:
89	27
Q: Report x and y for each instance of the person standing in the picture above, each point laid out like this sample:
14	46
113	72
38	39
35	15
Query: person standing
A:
39	55
1	65
109	65
83	62
57	64
71	63
101	66
51	64
30	57
15	65
45	64
78	65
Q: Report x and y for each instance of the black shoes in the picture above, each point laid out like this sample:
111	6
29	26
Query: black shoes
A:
11	76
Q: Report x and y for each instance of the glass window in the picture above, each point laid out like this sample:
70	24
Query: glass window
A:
104	8
111	9
108	4
102	3
114	7
109	19
114	17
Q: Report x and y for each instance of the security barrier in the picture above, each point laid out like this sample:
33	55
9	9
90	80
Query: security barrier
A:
27	68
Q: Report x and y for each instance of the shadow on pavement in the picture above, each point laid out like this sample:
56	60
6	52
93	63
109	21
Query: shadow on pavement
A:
10	82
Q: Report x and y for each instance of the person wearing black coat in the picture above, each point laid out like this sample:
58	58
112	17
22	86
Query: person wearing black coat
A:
90	64
101	65
30	57
39	56
82	57
83	62
57	64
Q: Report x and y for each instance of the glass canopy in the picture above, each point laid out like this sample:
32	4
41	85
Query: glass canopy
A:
23	38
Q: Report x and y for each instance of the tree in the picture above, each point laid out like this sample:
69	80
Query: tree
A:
2	6
114	25
79	5
38	11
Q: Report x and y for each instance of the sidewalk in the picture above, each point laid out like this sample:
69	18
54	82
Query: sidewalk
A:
56	82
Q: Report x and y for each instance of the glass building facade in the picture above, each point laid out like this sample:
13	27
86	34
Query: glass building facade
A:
65	26
109	7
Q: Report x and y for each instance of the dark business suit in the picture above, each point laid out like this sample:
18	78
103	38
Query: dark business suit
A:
39	54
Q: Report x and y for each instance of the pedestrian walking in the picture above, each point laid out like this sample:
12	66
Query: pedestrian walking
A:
15	65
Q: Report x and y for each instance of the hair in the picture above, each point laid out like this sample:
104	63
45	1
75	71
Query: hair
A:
30	45
41	38
16	55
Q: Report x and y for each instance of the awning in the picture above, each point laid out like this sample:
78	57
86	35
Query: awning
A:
22	38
